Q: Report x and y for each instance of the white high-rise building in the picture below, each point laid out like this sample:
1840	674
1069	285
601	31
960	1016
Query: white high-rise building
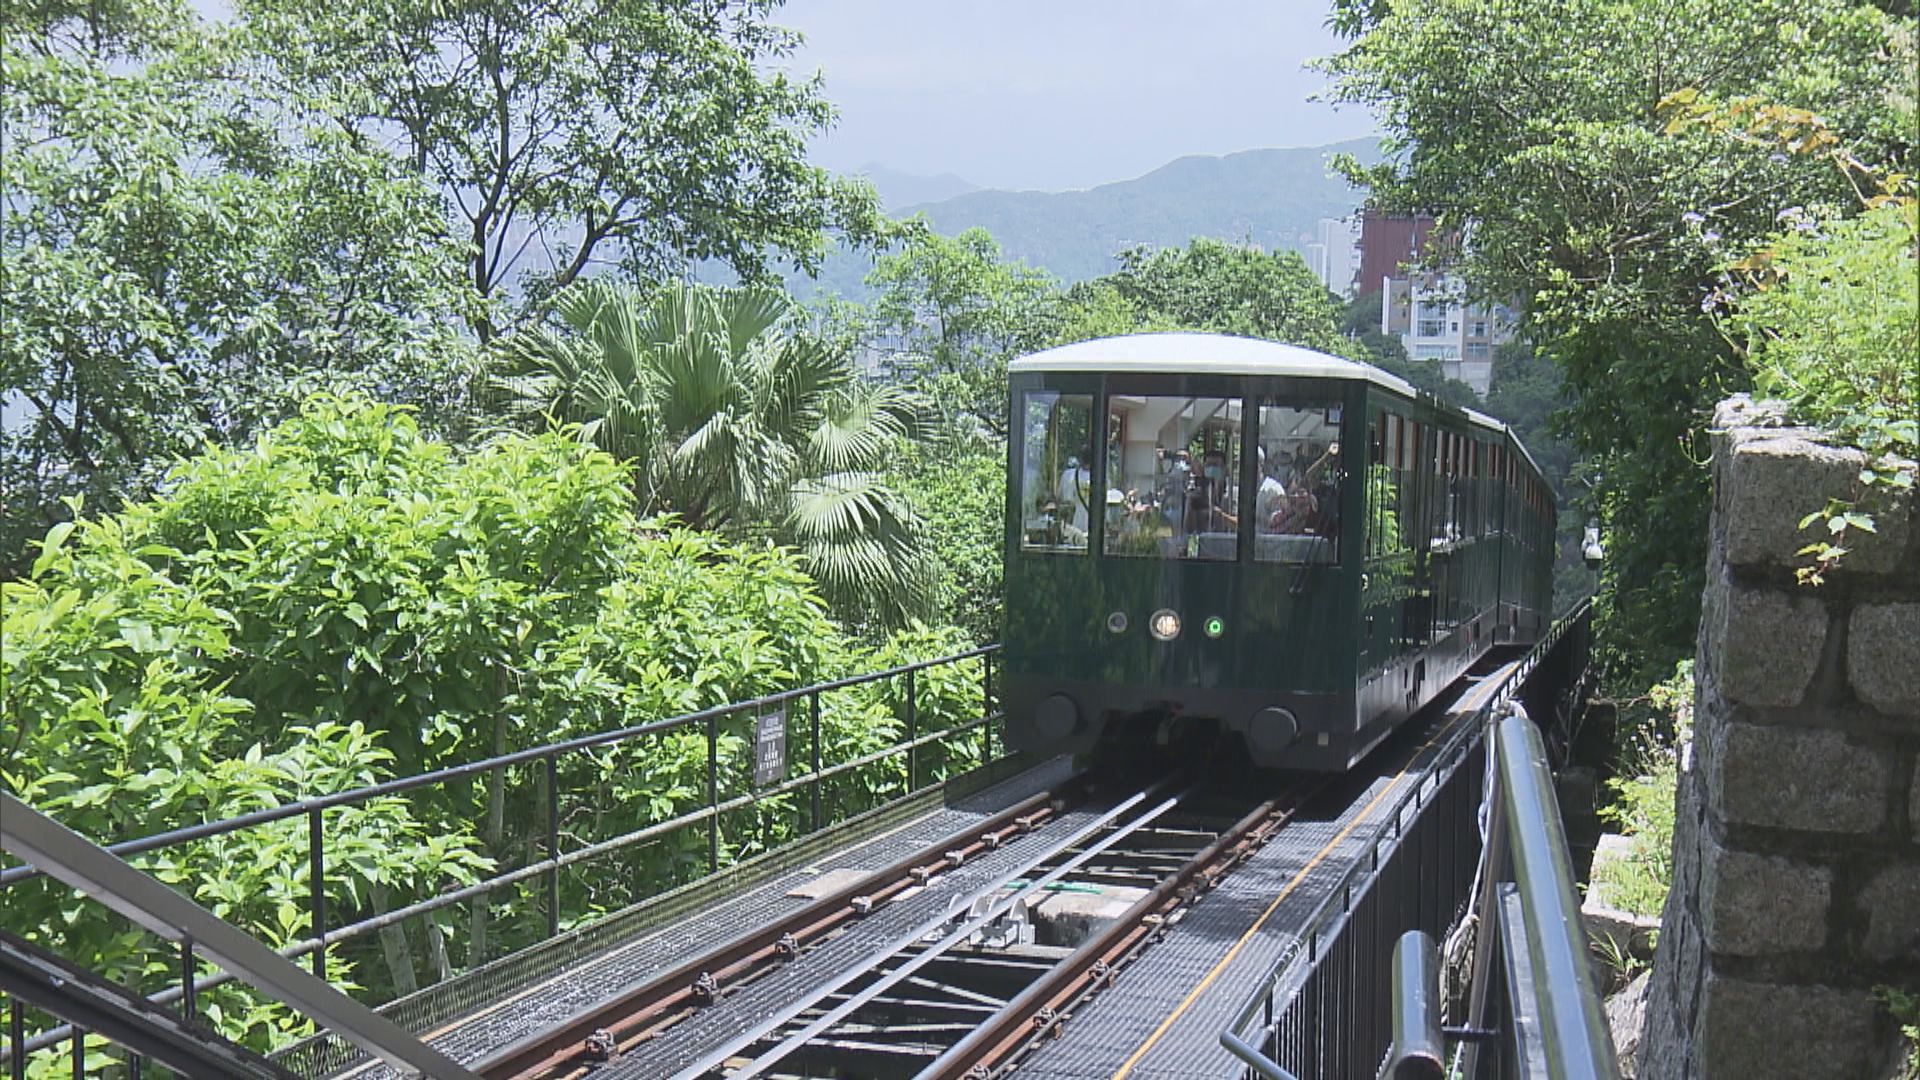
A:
1430	315
1333	254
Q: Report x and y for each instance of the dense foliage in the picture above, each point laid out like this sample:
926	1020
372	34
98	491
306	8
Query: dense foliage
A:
1543	127
959	487
348	600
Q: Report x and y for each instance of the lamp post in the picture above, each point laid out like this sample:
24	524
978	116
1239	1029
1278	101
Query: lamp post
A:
1590	548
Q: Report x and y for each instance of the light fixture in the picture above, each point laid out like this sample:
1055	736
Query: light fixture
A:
1165	625
1117	622
1214	626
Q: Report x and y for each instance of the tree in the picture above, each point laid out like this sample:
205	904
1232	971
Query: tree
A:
632	133
735	423
185	260
1097	309
1229	289
1542	127
951	312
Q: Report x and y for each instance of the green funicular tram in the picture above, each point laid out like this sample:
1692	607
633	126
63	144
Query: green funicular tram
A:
1212	537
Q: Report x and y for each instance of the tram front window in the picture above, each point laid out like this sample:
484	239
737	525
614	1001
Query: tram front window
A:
1056	483
1297	488
1173	477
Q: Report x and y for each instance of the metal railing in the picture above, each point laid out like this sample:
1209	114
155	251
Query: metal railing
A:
1328	1007
1323	1009
799	708
154	907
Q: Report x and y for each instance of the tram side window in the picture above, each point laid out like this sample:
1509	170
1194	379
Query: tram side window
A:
1056	462
1173	477
1299	472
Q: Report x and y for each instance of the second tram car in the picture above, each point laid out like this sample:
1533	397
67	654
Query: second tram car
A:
1228	537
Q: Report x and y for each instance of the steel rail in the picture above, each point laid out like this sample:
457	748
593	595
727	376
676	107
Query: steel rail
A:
954	937
1044	1003
634	1008
719	1055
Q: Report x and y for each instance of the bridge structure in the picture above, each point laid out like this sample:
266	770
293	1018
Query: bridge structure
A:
988	915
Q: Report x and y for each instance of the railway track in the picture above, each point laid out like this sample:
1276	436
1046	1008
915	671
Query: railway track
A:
956	983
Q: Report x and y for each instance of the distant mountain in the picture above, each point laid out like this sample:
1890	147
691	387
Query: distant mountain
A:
902	189
1272	198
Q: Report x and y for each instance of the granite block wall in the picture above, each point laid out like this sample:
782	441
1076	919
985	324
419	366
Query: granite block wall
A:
1797	834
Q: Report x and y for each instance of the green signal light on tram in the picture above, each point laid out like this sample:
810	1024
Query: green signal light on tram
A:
1215	626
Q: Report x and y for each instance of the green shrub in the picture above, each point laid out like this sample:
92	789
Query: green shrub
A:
1831	326
1643	799
348	601
1905	1007
958	485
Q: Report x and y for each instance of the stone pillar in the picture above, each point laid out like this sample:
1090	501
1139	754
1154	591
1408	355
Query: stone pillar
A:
1797	829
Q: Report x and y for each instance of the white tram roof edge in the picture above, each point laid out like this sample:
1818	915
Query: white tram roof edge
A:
1217	354
1223	354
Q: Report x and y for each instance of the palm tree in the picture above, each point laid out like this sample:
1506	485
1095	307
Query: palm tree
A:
736	424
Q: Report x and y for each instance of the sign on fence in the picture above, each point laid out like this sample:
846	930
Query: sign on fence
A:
770	747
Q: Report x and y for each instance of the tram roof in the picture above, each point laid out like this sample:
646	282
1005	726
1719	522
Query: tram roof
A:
1215	354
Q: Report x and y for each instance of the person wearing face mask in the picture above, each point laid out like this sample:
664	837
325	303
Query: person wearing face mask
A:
1210	502
1076	488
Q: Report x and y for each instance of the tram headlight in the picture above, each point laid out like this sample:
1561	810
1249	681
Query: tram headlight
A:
1117	622
1165	625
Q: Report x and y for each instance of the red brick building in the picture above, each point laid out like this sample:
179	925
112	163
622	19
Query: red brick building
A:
1386	242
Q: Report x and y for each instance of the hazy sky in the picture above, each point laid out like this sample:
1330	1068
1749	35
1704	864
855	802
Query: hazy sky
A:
1064	93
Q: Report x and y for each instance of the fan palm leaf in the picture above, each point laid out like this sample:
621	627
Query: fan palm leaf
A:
735	423
857	426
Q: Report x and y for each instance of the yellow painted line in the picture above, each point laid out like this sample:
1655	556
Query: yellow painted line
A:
1465	709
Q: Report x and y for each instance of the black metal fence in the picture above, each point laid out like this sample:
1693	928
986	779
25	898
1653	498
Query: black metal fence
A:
743	774
1325	1009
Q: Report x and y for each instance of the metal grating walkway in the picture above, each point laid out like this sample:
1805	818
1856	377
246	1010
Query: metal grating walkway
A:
1162	1018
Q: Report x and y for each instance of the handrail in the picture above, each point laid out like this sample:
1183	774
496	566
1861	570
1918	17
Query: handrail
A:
1234	1039
1576	1039
202	831
141	898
